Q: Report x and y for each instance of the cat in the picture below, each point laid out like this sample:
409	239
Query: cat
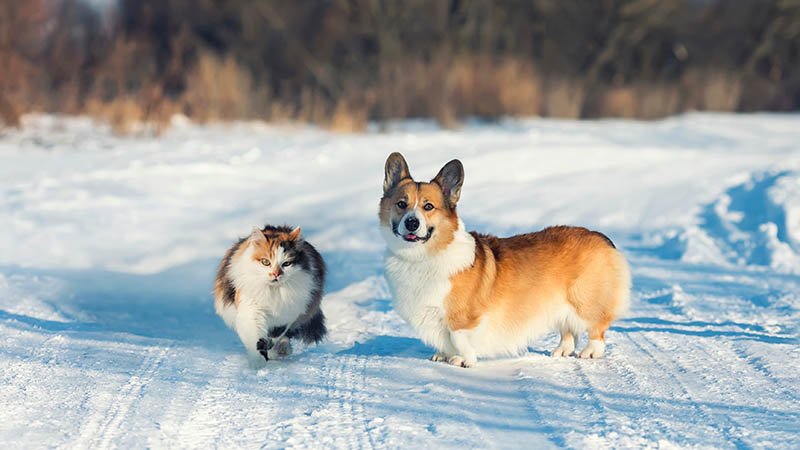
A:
268	289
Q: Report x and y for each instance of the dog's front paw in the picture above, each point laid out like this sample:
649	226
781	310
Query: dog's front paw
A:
562	351
594	349
459	361
438	357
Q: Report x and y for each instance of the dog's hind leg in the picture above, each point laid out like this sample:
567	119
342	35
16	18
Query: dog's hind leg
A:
597	340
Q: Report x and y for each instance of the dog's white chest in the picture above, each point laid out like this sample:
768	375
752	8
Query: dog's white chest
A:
416	286
420	286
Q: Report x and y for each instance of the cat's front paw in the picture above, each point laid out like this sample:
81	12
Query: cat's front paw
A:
264	346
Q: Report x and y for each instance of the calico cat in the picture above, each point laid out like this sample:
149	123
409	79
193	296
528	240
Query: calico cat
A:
268	289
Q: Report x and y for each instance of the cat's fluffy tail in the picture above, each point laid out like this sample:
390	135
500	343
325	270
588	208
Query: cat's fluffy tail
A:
313	330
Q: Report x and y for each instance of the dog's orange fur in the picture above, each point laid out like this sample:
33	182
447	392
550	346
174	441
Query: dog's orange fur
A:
515	278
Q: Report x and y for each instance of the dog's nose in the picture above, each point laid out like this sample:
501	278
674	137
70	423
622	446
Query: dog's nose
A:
412	223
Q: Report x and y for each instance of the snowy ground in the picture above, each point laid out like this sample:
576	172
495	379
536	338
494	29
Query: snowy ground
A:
109	245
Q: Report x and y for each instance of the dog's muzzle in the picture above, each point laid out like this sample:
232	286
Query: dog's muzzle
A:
412	236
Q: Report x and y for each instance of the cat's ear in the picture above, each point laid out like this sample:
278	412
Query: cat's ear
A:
450	178
257	236
396	169
294	235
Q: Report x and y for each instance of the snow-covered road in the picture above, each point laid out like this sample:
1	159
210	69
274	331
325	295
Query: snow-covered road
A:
109	245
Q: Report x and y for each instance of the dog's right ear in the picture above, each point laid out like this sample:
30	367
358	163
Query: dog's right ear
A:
395	171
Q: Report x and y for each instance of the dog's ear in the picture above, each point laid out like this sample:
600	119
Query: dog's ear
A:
396	169
450	178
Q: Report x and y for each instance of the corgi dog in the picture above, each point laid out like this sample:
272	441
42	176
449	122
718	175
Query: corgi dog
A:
472	295
269	289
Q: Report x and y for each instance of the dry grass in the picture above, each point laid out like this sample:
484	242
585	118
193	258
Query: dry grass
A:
657	100
348	118
220	89
445	88
563	98
721	92
491	87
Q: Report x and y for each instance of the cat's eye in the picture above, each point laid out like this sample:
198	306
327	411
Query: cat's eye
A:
402	204
428	206
265	261
287	263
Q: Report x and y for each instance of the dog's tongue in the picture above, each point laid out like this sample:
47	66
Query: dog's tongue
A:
411	237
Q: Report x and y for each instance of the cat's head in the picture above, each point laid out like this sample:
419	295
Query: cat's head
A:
275	251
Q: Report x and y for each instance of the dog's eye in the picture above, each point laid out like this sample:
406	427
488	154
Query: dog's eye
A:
428	206
402	204
287	263
265	261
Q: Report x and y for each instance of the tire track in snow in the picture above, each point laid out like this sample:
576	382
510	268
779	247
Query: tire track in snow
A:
677	373
106	424
38	353
340	421
523	382
650	393
756	364
590	392
629	380
736	380
201	428
479	437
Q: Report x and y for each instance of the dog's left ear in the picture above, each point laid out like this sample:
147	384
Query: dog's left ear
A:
395	171
450	178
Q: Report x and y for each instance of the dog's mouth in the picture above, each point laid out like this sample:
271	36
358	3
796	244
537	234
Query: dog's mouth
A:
412	237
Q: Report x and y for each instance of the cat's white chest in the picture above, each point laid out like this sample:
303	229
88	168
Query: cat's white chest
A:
279	305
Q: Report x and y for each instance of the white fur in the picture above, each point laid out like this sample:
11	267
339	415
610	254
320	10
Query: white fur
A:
263	303
594	349
492	337
565	347
461	340
420	283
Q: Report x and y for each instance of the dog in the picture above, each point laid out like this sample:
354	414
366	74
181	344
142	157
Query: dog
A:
473	295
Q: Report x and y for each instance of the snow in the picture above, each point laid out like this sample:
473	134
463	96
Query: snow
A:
109	247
